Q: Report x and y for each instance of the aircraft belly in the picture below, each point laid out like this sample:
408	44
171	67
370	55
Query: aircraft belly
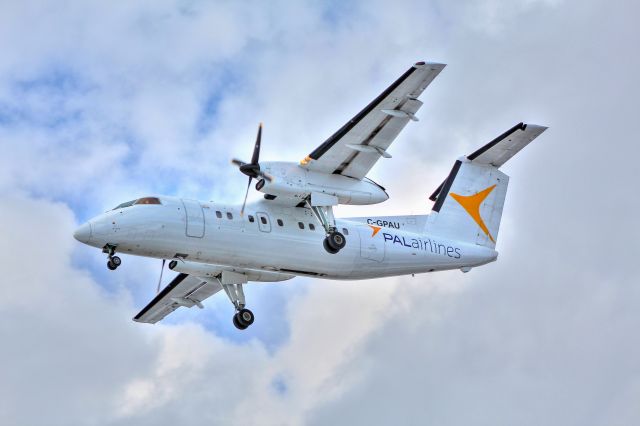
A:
304	254
275	251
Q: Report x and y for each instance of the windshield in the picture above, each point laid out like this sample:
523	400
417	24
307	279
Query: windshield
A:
145	200
148	200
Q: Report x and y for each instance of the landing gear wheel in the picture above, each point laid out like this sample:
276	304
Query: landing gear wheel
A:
245	317
327	247
112	261
236	322
336	240
260	184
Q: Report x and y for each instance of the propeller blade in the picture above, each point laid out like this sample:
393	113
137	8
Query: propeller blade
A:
265	176
161	271
244	203
256	149
252	169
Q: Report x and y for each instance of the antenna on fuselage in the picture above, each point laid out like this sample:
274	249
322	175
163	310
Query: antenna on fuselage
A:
161	271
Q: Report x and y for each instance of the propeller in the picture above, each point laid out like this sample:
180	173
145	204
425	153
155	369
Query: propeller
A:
252	169
161	271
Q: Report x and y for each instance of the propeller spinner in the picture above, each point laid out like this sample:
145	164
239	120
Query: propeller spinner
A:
252	169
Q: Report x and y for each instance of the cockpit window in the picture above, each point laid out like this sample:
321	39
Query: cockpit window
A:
148	200
145	200
127	204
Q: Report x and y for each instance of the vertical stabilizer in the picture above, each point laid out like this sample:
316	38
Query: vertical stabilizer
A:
468	204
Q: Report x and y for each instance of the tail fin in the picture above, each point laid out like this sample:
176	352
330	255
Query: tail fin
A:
468	204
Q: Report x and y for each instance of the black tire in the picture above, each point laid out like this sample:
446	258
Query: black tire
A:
260	184
116	261
336	240
111	266
236	322
245	317
173	264
328	248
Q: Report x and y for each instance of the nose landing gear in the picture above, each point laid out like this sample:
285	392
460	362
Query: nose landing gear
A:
113	261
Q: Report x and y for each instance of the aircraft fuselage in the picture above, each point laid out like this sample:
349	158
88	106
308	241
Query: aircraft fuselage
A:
278	239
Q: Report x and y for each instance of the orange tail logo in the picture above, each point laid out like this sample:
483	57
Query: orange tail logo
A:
471	204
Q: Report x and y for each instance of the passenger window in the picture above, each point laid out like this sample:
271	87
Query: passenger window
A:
345	231
148	200
312	227
280	223
263	220
218	214
251	219
300	225
229	216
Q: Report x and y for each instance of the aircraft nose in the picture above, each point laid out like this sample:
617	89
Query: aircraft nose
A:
83	233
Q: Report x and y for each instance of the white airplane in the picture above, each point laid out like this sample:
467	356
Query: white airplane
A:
293	231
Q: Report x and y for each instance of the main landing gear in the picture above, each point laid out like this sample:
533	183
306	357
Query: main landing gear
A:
243	317
113	261
334	240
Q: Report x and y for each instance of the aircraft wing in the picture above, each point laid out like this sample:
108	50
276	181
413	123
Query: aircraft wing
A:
184	290
355	147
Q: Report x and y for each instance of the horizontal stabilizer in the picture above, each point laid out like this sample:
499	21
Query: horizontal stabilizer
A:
498	151
505	146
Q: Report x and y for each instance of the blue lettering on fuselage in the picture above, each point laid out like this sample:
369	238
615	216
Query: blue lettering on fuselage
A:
426	244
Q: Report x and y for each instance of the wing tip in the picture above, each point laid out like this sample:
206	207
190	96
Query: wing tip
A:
139	320
433	65
538	127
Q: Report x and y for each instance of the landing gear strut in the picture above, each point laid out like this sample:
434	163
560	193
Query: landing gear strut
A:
243	317
113	261
334	240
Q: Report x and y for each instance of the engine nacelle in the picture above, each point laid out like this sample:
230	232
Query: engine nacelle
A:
207	270
291	180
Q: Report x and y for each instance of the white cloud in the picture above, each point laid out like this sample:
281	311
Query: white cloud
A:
543	336
76	352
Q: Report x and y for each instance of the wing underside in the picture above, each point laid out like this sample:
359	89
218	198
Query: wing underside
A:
185	290
190	290
356	147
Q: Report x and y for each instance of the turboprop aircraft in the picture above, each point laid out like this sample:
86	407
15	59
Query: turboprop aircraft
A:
292	231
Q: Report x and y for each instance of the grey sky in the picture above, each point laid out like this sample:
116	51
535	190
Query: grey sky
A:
102	102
